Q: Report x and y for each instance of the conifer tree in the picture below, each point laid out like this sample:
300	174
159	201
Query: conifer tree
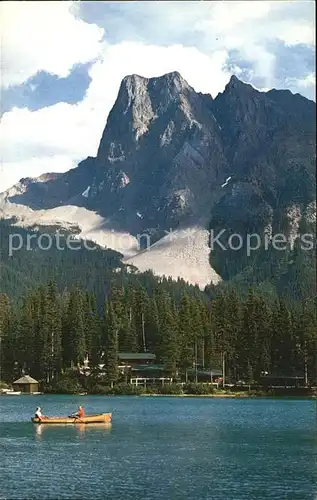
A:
152	325
234	325
283	340
111	351
140	309
168	345
5	324
186	340
74	348
27	354
220	329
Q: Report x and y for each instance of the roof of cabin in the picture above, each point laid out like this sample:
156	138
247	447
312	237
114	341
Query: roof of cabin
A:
136	355
214	372
26	379
146	368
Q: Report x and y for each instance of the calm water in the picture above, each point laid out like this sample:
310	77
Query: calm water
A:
160	448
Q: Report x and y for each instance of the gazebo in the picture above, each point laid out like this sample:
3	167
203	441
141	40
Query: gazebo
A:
26	384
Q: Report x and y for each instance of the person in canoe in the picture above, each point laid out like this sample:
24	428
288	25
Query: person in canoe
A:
38	414
79	414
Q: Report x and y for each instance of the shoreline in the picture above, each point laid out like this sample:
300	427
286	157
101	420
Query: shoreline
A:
216	396
210	396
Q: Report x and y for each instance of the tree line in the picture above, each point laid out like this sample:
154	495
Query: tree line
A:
51	331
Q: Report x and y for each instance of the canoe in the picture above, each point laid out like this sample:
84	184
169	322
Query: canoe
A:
102	418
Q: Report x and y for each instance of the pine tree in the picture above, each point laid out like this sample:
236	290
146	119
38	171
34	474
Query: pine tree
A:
73	343
283	340
152	325
53	319
168	345
5	323
209	343
220	328
140	308
234	325
111	352
186	340
249	339
307	342
27	355
92	332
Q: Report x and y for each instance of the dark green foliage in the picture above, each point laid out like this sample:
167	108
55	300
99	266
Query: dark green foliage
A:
168	347
111	325
65	386
127	389
28	267
50	333
74	346
170	389
100	389
198	389
187	351
288	273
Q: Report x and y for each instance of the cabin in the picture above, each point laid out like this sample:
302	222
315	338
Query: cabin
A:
139	369
149	375
26	384
126	362
156	374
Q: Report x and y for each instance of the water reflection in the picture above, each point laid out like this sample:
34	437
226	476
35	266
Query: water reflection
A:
80	429
38	431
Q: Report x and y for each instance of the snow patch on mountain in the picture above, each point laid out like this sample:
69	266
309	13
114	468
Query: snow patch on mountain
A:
226	181
85	194
91	226
183	253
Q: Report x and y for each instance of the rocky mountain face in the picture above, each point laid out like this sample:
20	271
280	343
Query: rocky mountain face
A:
172	158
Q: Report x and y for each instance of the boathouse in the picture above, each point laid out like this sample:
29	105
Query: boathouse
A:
26	384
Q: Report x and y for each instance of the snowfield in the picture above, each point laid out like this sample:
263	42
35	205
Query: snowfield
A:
180	254
91	226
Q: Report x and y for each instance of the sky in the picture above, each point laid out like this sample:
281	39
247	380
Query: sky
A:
62	64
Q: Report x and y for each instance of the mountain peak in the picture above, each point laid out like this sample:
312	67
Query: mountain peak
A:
234	80
134	79
236	84
173	79
143	99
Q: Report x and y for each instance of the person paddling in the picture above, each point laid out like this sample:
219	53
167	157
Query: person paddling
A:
38	413
79	414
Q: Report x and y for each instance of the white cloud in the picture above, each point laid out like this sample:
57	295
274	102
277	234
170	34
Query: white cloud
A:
307	81
44	36
296	34
33	167
33	142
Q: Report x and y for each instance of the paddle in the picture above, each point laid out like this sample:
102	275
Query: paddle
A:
76	418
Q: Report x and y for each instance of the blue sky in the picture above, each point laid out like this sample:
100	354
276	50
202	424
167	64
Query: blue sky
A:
63	63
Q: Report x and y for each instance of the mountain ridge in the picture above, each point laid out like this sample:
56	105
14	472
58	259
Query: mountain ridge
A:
171	159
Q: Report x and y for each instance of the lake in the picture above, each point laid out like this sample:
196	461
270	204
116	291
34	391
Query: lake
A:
160	448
